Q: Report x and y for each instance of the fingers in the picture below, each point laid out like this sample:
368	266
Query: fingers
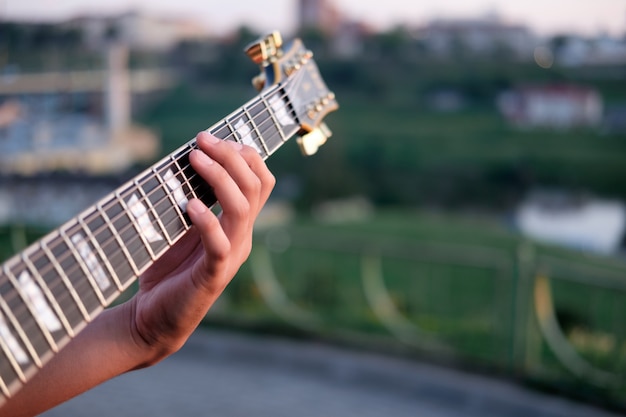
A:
241	182
245	168
216	245
244	165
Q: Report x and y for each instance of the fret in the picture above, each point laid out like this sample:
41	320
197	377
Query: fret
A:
17	311
75	276
14	368
94	246
231	136
55	287
6	372
103	234
45	289
97	269
78	274
199	188
15	364
282	113
143	225
183	173
169	199
148	187
75	311
120	226
240	125
18	360
257	132
221	130
38	310
268	124
82	269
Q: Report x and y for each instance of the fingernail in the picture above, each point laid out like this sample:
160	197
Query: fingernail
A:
207	137
196	206
204	158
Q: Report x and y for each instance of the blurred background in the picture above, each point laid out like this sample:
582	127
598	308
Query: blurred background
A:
468	209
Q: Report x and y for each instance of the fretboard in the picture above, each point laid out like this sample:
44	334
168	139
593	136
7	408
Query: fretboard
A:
50	291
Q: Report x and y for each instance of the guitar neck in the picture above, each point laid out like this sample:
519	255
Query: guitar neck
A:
51	290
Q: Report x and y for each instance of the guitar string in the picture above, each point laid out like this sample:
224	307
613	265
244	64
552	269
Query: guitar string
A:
286	107
186	151
231	135
85	284
129	226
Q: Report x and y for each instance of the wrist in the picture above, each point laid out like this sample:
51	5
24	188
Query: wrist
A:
141	351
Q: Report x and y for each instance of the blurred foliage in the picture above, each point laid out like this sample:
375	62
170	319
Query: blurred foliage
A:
391	144
461	291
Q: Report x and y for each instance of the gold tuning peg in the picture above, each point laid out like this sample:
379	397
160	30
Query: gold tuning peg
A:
265	48
310	142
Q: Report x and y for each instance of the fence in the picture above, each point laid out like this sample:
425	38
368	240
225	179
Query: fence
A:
551	320
555	321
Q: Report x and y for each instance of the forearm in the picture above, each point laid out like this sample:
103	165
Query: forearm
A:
103	350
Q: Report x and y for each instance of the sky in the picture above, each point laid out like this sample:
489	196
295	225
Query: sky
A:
586	17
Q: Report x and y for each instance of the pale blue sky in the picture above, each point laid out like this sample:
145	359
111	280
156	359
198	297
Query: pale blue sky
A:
544	16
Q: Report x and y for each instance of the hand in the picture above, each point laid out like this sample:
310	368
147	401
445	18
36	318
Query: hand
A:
174	294
178	290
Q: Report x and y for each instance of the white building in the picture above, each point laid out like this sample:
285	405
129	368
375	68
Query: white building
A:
553	106
589	224
604	50
480	36
137	30
76	121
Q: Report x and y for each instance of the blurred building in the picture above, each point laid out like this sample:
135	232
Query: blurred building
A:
481	36
319	14
51	200
137	30
76	121
557	106
347	35
578	51
573	221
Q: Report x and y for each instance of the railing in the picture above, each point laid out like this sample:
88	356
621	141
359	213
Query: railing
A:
541	318
557	321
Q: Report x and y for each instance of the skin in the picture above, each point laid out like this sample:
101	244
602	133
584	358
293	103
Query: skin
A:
174	294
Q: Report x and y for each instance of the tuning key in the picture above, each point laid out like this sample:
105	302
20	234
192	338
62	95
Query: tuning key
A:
265	49
310	142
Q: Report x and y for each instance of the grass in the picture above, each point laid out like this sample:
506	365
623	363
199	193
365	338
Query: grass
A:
457	281
400	152
454	279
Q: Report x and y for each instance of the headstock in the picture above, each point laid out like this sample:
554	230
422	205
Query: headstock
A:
293	68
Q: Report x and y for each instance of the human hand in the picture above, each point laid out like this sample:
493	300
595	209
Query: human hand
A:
174	294
178	290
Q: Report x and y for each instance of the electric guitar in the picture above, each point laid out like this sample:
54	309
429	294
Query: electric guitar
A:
50	291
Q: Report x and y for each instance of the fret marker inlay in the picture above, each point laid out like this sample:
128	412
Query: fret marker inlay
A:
35	297
177	189
57	286
243	130
91	261
280	110
11	342
143	219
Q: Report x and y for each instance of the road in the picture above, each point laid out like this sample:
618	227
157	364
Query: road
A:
227	374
